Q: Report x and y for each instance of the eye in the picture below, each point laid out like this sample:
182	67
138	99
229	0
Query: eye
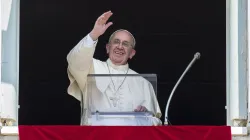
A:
116	41
126	44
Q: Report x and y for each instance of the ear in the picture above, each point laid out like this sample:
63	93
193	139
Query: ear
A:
133	51
107	48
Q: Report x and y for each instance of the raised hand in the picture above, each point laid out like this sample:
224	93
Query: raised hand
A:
101	25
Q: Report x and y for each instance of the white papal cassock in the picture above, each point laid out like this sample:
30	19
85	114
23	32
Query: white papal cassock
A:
108	94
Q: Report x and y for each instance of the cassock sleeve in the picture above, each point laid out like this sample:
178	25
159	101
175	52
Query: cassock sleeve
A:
80	61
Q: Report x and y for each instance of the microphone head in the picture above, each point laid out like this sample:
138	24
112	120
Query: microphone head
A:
197	55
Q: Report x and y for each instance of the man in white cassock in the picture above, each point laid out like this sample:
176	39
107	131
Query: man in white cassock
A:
116	94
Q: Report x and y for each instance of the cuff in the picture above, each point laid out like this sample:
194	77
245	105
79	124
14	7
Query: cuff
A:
89	41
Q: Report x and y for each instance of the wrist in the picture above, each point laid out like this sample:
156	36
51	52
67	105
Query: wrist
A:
93	35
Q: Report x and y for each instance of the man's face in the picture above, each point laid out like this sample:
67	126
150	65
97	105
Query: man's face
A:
120	48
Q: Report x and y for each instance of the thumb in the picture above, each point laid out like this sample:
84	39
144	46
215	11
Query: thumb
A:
108	24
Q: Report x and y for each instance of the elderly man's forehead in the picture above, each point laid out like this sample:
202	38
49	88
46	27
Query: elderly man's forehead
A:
123	32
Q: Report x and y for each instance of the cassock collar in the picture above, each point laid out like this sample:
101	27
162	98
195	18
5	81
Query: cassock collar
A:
118	67
103	82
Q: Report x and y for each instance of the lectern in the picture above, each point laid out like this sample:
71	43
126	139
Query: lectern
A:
111	100
123	119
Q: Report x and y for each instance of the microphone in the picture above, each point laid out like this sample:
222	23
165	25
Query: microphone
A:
196	57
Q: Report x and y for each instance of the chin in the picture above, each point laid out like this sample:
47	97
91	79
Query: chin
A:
118	60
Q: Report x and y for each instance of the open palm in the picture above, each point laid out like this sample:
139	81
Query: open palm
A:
101	24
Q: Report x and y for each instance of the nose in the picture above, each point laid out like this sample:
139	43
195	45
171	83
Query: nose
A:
120	46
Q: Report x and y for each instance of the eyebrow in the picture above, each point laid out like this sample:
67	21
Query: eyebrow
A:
123	41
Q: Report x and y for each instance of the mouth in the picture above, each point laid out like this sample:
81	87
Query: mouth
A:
119	53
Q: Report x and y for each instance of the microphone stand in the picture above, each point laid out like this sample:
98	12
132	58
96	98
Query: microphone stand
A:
196	57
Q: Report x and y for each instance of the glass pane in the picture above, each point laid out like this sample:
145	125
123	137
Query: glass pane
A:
112	99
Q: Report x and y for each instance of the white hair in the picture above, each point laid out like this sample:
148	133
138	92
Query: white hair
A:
112	35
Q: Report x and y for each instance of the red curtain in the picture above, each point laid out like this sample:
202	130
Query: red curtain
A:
125	133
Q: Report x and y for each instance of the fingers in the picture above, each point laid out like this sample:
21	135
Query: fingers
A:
107	15
100	25
104	17
141	109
